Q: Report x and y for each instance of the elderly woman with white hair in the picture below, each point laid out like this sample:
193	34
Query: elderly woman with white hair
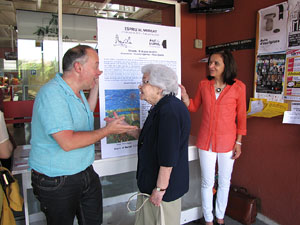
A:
162	171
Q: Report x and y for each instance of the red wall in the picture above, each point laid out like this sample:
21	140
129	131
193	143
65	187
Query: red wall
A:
270	163
192	27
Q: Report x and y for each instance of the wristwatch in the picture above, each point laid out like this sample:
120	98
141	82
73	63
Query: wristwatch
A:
159	189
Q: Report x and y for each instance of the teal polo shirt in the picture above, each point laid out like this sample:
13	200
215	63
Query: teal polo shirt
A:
57	108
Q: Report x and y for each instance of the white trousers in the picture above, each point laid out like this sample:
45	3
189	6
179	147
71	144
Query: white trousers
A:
208	164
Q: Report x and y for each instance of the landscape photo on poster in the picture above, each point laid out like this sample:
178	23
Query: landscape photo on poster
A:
125	102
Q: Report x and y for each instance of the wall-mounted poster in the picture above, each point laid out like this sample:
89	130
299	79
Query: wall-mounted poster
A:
294	24
124	47
273	28
269	77
292	84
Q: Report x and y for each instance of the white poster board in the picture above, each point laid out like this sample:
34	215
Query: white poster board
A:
124	47
273	28
294	24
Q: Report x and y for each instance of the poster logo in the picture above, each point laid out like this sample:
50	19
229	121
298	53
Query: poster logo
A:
155	43
124	43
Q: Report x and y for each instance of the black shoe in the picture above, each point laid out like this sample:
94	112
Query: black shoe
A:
216	223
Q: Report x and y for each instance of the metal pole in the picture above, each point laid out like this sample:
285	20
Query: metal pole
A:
60	44
12	38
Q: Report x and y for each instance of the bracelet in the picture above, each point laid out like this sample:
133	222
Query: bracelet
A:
239	143
159	189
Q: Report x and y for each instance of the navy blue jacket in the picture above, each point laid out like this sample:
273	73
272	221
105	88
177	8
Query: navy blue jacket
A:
164	142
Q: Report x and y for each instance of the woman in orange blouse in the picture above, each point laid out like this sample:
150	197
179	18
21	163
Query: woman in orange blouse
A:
223	122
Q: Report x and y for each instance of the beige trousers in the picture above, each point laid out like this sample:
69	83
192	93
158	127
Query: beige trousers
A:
149	214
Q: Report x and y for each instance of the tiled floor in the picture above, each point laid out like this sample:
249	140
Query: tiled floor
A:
228	221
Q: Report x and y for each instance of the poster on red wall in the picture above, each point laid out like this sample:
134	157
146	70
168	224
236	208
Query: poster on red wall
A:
273	28
269	77
292	84
294	24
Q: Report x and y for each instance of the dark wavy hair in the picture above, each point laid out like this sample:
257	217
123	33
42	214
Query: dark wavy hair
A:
76	54
230	69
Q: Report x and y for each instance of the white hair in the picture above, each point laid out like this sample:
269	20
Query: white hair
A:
162	77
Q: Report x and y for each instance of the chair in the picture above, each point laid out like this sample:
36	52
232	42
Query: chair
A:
21	111
18	111
97	112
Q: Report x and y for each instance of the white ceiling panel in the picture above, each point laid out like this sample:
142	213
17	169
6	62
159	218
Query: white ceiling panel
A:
6	5
25	5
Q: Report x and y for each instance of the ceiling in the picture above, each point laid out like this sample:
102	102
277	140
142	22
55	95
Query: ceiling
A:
140	10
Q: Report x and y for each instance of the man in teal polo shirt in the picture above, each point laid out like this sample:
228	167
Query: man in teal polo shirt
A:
62	142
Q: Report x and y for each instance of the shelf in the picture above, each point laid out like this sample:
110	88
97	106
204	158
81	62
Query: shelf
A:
104	167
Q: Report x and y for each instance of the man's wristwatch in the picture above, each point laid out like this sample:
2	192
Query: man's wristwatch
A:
159	189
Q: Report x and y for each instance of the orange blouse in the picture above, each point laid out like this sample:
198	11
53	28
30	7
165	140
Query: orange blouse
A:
223	118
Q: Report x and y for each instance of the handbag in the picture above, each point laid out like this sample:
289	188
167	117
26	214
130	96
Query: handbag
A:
241	205
161	220
10	195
